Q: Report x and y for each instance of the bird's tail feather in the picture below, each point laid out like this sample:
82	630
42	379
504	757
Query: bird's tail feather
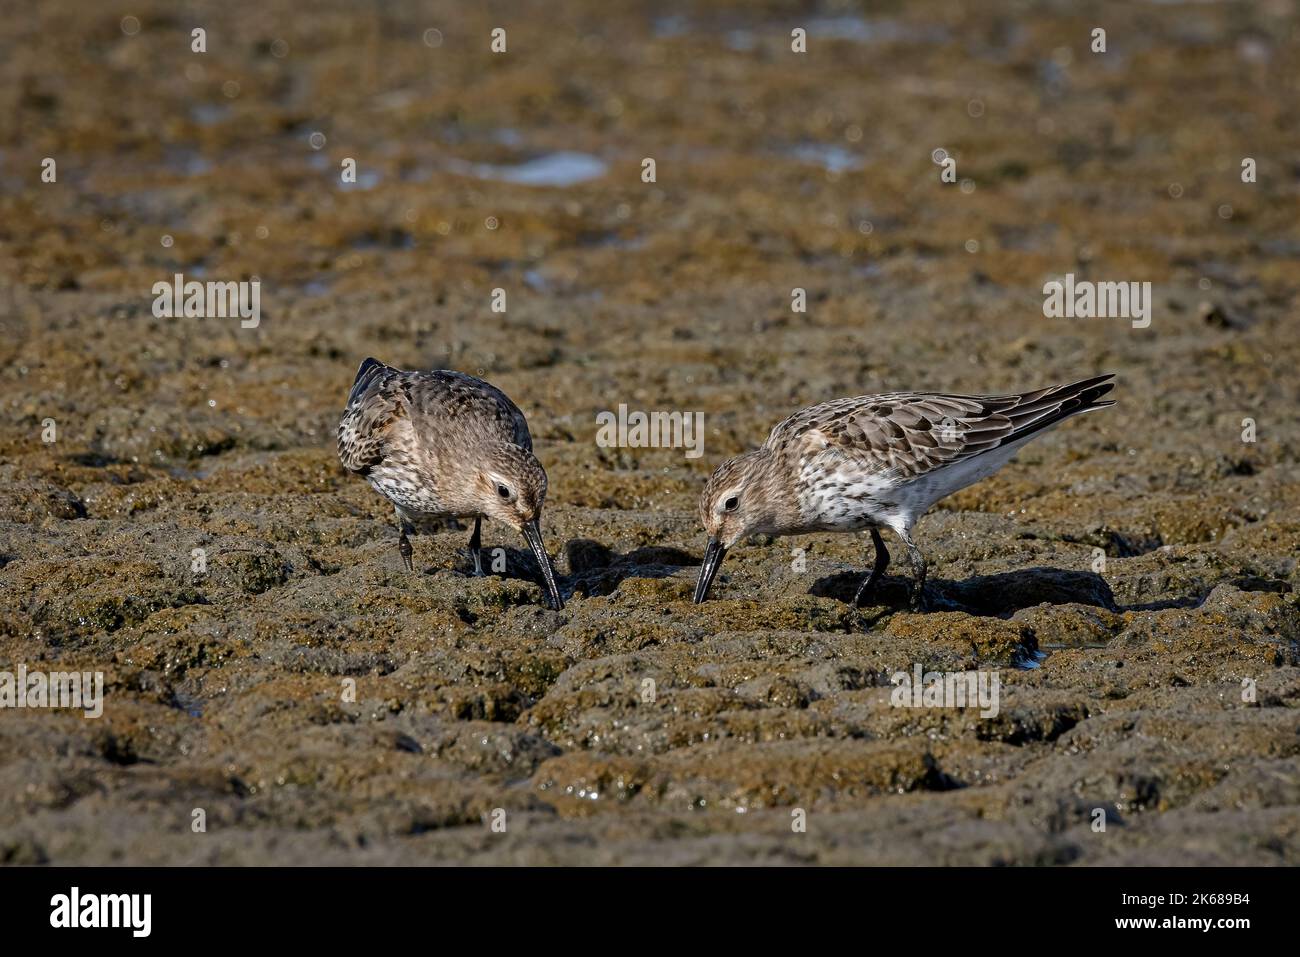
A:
1044	408
366	374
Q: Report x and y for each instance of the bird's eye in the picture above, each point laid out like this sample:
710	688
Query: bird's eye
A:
730	504
503	491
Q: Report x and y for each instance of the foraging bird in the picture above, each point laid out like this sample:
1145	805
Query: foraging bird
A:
873	462
441	445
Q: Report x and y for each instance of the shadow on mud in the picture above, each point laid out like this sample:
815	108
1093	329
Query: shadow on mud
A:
1004	594
595	569
996	596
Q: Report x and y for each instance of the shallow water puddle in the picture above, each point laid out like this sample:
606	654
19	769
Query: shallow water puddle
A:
186	161
862	30
564	168
1031	660
366	180
210	114
833	159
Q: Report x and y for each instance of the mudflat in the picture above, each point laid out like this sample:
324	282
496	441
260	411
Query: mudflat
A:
277	689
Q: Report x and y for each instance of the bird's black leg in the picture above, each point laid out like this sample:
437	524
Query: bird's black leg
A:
917	561
878	570
404	546
476	545
404	543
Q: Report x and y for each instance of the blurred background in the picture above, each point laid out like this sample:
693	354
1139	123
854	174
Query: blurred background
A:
522	171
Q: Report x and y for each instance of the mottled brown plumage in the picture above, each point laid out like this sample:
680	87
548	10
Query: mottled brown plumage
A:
443	444
876	461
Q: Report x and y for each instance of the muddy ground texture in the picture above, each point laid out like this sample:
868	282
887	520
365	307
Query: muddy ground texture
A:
225	688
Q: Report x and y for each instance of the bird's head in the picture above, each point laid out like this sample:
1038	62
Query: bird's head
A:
510	487
738	500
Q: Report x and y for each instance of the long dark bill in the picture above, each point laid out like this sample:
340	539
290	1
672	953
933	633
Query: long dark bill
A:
713	556
533	532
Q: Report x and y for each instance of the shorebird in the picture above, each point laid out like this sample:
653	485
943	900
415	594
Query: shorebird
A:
873	462
442	445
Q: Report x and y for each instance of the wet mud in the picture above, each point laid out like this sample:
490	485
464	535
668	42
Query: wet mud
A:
1130	577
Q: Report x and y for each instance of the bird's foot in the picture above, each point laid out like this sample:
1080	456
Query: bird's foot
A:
866	588
918	602
476	547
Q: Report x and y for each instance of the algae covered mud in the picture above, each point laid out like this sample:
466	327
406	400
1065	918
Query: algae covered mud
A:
883	211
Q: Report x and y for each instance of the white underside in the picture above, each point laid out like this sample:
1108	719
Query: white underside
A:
845	499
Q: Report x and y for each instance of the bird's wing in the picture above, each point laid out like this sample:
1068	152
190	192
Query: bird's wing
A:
450	400
376	404
911	433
